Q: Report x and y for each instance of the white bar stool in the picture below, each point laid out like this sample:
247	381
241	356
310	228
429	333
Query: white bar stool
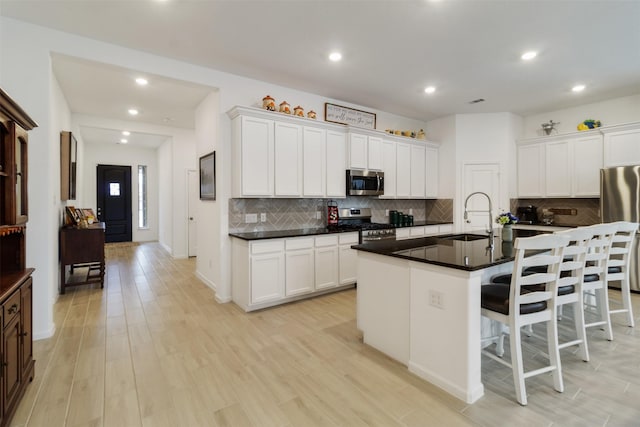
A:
618	267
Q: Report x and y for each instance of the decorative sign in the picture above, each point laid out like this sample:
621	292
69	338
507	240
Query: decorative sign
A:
349	116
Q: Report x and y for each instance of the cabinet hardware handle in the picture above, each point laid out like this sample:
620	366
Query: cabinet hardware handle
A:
13	308
24	334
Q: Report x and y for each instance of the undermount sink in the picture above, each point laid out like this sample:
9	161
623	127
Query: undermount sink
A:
463	237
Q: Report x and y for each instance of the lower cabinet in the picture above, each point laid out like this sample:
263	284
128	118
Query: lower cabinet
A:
421	231
275	271
16	360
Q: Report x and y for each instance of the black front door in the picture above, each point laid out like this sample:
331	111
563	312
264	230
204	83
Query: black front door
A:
114	201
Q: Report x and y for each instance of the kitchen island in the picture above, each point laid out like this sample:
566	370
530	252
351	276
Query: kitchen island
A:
418	301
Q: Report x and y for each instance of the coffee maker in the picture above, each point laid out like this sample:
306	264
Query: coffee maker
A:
527	214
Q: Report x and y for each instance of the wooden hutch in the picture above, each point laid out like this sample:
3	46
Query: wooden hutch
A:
16	341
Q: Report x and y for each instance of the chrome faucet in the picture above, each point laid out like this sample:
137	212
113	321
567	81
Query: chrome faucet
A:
489	229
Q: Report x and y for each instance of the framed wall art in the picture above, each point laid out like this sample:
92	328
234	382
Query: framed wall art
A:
208	176
349	116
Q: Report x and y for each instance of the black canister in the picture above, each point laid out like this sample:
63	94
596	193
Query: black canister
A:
393	217
410	220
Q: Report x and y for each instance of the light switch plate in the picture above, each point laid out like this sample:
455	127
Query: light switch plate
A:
251	218
263	217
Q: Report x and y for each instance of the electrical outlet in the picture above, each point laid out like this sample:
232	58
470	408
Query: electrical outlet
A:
386	212
251	218
263	217
318	214
436	299
410	211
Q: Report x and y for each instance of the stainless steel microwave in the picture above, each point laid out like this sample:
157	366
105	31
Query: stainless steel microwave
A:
365	183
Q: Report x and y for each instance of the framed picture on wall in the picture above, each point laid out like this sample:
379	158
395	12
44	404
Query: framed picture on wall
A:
208	176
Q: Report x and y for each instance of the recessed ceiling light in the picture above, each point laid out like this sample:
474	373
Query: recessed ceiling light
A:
142	81
578	88
429	89
126	133
124	141
335	56
133	111
529	55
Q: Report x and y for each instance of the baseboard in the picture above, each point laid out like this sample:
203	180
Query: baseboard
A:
46	334
206	281
468	396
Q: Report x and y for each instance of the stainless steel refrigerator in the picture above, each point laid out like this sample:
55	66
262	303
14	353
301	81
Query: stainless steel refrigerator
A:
620	201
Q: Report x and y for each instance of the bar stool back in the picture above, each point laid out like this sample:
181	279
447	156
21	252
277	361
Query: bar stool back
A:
618	267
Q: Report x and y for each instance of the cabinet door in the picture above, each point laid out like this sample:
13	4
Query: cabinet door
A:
403	170
431	173
402	234
418	176
257	157
389	168
417	231
12	373
587	162
288	160
267	277
336	164
357	151
26	322
348	265
374	153
327	267
299	272
314	160
558	169
622	148
531	170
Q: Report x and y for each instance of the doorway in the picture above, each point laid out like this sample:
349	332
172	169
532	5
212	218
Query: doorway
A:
483	177
193	183
114	201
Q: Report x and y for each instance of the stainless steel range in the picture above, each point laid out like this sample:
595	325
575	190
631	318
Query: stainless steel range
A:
359	219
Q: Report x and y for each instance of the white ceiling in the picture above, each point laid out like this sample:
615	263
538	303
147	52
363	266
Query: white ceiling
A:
392	49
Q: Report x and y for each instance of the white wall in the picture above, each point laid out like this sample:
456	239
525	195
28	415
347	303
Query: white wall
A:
125	155
165	213
610	112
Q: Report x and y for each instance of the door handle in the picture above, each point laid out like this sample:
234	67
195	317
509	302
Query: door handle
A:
190	218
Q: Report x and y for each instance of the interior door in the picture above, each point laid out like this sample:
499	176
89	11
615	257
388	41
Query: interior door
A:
486	178
114	201
193	195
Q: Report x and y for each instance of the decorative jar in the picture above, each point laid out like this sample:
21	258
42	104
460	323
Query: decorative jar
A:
311	114
268	103
285	107
298	111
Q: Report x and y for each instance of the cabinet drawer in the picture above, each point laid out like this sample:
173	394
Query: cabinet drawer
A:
326	241
267	247
351	238
303	243
416	231
11	308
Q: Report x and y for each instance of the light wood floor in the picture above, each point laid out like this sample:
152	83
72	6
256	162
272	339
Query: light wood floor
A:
155	349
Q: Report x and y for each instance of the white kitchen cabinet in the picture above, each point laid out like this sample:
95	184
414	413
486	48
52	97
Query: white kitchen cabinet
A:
299	266
403	233
327	262
267	271
365	151
403	170
374	153
417	231
531	160
389	169
418	176
622	145
431	172
559	169
288	159
336	164
314	152
348	258
587	162
254	150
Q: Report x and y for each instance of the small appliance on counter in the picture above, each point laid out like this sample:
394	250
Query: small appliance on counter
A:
359	219
332	213
527	215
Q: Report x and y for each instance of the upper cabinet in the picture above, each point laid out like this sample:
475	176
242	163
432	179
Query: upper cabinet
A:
279	155
561	165
621	145
365	151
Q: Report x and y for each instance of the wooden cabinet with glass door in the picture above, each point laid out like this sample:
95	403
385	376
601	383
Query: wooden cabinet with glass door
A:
16	355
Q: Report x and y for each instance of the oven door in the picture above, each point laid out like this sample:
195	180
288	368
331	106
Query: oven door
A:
365	183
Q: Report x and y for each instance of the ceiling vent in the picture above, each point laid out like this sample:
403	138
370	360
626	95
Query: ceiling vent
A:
476	101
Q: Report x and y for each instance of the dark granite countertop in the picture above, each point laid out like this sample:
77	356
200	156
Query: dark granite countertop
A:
279	234
445	251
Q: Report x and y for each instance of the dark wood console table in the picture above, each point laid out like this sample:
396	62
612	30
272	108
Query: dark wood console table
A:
82	247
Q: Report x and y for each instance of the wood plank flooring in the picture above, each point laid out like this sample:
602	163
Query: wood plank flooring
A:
155	349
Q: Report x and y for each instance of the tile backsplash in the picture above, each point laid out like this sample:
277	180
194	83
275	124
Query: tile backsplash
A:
587	210
290	214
